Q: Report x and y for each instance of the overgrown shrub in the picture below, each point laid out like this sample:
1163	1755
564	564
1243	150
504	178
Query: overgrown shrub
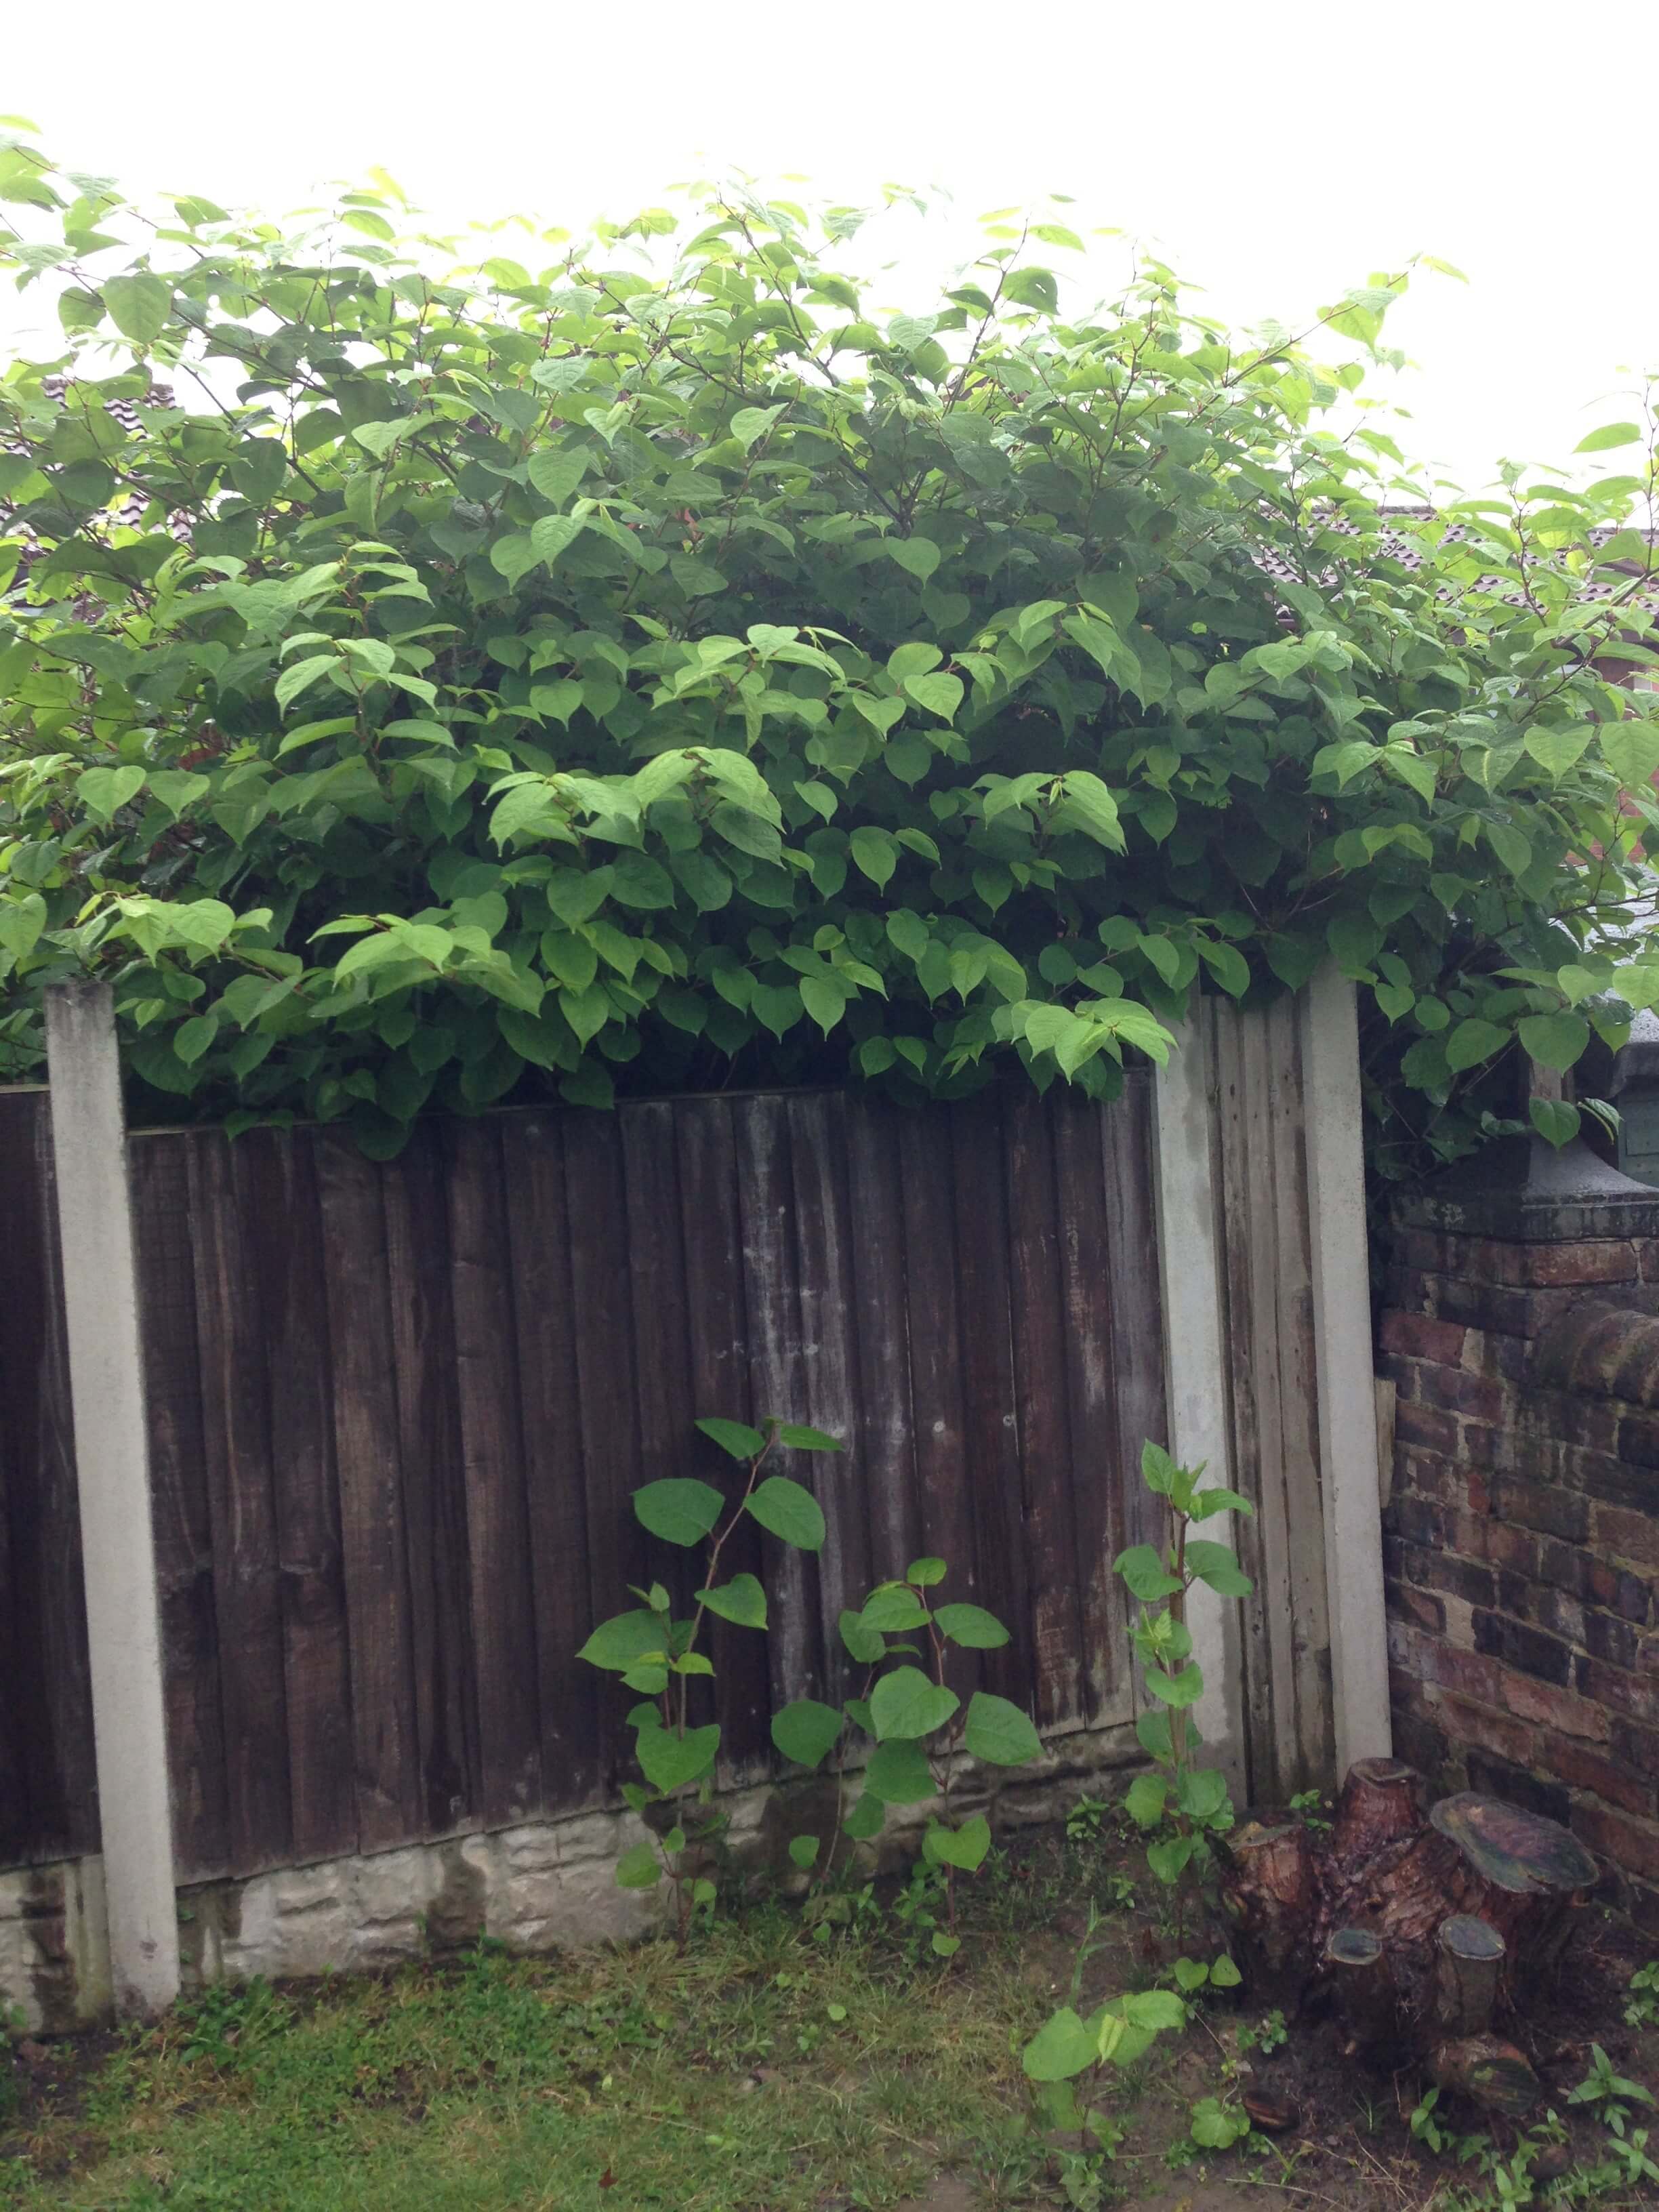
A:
442	671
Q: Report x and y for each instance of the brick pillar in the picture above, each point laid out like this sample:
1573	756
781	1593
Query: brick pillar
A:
1522	1540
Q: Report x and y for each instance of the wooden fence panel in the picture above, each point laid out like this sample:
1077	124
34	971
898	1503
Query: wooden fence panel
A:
48	1794
397	1411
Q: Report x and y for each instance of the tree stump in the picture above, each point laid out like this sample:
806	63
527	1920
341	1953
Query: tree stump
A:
1418	1930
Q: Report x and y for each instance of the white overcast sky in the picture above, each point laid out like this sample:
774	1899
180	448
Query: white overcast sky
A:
1276	154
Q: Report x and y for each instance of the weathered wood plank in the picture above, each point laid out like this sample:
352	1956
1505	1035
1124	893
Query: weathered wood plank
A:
241	1507
415	1189
1301	1573
771	1271
1043	1404
597	1197
936	1362
818	1151
277	1188
875	1200
544	1315
998	1468
659	1296
385	1733
511	1783
48	1685
1102	1329
711	1232
190	1629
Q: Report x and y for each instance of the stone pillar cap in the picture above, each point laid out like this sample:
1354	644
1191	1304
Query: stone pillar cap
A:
1522	1190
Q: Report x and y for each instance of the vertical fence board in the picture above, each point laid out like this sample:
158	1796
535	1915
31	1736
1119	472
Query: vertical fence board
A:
415	1189
996	1568
276	1181
545	1318
231	1334
875	1205
492	1453
712	1231
771	1275
1100	1473
817	1147
384	1734
190	1629
47	1695
938	1376
598	1199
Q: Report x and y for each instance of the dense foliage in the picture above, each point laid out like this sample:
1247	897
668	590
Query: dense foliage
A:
647	663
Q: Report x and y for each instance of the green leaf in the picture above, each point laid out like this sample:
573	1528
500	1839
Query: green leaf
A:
998	1733
1553	1040
102	790
971	1626
1201	1793
138	306
733	1436
917	556
788	1512
1144	1572
1168	1859
549	536
812	1440
555	470
514	557
1062	2048
905	1705
1555	1119
1609	436
1158	1470
865	1822
670	1761
963	1848
1472	1041
898	1774
862	1643
1145	1799
1223	1974
925	1574
742	1600
939	695
1215	1564
750	423
679	1510
893	1608
803	1851
873	851
1185	1688
617	1643
806	1731
1190	1974
639	1868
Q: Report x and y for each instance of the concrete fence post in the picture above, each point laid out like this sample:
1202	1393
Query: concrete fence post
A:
1342	1341
1190	1267
111	1453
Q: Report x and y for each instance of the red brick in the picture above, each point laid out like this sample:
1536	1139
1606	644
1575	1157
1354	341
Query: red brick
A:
1553	1512
1637	1747
1631	1844
1546	1266
1576	1420
1492	1352
1466	1722
1459	1392
1416	1606
1555	1709
1416	1337
1426	1426
1638	1694
1590	1770
1627	1535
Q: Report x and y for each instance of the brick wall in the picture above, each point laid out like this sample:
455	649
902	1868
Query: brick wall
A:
1521	1534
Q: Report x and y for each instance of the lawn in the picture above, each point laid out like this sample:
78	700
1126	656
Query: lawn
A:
768	2067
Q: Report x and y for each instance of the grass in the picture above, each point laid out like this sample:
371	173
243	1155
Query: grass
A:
761	2068
769	2066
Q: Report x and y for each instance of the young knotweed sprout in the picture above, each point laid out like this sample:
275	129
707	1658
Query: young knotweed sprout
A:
1186	1802
657	1655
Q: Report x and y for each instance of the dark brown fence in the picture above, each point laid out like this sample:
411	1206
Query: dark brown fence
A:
48	1791
396	1412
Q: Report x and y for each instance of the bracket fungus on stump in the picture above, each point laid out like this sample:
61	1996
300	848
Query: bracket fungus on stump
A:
1417	1927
